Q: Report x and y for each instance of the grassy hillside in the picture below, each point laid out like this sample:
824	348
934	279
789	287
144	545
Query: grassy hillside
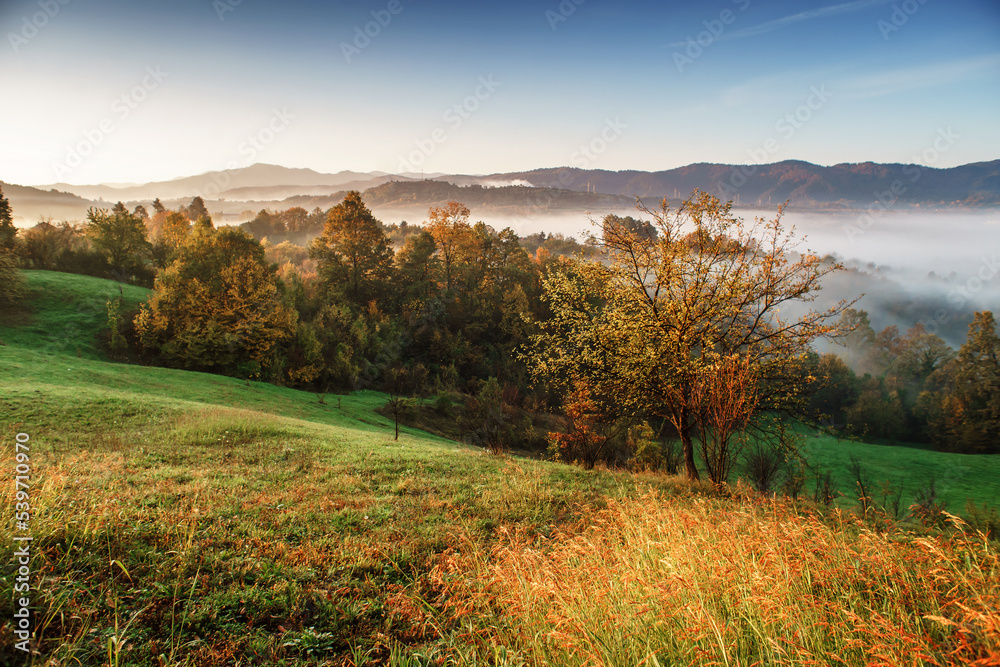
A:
956	477
206	518
188	519
64	312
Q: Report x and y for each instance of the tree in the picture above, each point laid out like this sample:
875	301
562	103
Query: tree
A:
11	282
489	419
197	210
590	430
858	339
417	267
449	225
396	383
8	232
120	236
353	250
173	230
217	307
918	355
296	220
728	397
977	386
658	327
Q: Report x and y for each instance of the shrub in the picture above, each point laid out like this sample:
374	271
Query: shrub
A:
763	466
927	507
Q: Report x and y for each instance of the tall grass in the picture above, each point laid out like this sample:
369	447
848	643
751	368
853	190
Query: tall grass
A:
713	581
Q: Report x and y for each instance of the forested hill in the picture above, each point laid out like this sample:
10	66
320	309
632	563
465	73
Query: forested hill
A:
510	200
435	193
561	189
802	183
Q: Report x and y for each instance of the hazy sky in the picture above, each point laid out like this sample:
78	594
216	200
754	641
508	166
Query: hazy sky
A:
138	90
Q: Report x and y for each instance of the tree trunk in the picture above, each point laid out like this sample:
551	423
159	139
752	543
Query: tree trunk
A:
688	447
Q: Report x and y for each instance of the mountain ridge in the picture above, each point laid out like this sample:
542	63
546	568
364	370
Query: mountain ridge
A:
843	186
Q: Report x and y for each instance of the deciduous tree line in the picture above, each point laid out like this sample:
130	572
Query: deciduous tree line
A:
668	330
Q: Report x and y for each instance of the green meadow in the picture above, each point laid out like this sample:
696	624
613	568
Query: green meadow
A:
182	518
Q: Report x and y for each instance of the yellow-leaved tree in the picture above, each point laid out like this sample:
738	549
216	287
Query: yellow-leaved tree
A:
217	308
683	322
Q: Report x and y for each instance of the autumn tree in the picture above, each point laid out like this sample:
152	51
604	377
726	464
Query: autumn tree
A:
658	325
172	231
590	429
216	307
978	384
726	397
449	225
353	250
418	268
196	210
962	405
120	236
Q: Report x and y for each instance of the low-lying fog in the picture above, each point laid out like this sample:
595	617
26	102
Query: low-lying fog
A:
934	267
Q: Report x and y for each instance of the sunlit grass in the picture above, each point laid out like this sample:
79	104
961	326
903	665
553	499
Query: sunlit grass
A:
697	580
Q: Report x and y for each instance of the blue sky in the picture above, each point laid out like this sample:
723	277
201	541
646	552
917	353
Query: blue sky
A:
133	91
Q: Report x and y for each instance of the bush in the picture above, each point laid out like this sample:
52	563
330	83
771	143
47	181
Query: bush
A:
927	507
443	404
763	466
488	420
652	453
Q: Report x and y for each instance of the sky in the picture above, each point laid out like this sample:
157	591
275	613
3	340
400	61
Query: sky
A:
132	91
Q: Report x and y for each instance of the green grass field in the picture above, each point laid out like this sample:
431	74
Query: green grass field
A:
957	477
189	519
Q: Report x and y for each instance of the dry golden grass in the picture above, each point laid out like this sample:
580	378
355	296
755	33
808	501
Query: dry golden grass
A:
711	581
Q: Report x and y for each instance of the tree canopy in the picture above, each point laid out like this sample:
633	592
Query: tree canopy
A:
216	307
685	324
353	250
120	236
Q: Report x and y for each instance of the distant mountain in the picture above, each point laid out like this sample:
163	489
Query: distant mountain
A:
29	205
801	183
512	198
216	184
